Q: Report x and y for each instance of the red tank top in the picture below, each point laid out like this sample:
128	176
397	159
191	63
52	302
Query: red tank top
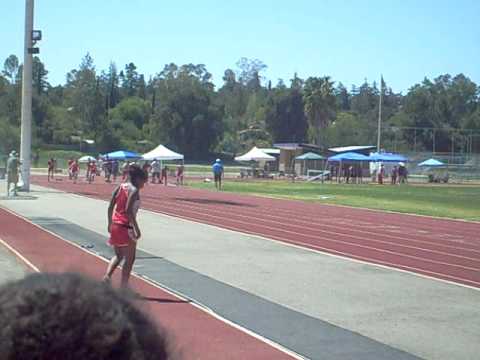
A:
120	214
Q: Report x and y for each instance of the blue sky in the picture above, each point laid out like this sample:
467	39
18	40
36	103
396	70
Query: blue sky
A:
405	40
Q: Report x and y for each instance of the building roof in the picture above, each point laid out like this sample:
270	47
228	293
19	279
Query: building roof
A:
270	151
355	148
296	146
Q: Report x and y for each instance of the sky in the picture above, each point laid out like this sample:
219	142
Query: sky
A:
349	40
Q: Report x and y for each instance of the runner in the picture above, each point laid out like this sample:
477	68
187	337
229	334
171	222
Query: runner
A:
122	223
163	179
180	170
70	163
217	169
92	172
51	169
12	172
74	169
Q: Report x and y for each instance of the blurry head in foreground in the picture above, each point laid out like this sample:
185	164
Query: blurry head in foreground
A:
66	316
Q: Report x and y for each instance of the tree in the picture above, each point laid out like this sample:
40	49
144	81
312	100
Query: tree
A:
130	80
285	117
11	68
39	76
343	97
296	82
320	104
186	116
250	72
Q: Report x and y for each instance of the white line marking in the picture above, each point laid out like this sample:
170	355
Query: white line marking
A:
18	255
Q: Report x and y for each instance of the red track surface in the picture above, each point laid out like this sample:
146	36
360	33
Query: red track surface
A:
440	248
195	334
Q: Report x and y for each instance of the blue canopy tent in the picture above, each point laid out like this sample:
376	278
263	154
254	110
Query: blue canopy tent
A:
387	157
432	163
348	156
122	155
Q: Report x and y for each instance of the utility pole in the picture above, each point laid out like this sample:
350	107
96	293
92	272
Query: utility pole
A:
379	130
26	120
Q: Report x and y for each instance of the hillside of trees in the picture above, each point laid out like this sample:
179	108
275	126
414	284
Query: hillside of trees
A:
180	107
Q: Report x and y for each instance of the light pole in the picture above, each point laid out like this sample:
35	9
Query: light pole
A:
31	37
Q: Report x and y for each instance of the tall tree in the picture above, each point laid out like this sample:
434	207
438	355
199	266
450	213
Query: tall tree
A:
320	104
285	117
11	68
39	76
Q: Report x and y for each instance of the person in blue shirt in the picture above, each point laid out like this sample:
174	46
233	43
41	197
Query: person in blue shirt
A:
217	169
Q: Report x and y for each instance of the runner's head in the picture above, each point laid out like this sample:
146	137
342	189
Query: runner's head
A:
67	316
138	176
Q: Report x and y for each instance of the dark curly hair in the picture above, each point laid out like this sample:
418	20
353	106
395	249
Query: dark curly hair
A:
70	317
136	173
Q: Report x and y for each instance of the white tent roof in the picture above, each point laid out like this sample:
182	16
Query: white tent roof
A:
162	153
255	154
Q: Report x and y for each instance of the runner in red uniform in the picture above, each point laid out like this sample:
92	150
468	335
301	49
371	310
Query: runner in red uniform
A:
122	223
74	169
92	172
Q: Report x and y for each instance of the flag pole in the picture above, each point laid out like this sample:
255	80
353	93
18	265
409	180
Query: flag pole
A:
379	130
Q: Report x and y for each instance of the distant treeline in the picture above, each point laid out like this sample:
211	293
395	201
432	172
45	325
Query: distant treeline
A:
181	108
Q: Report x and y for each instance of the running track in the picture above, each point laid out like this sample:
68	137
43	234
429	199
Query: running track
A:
440	248
193	333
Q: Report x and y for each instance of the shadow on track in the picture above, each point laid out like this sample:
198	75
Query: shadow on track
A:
164	301
214	202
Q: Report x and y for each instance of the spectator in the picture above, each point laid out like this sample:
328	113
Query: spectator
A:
67	316
115	170
156	170
12	172
217	169
381	174
394	175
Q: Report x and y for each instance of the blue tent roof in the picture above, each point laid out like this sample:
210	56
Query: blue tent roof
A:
349	156
122	155
387	157
309	156
431	162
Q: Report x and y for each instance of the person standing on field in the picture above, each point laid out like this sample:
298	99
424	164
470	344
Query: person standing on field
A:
217	169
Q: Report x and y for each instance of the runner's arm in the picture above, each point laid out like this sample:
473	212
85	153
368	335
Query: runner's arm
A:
132	219
111	206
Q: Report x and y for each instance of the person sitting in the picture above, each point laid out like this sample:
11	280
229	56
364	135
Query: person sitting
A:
68	316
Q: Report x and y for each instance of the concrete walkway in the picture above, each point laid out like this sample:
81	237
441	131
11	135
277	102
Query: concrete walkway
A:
355	306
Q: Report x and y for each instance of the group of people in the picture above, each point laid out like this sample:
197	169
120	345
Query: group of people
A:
398	175
112	170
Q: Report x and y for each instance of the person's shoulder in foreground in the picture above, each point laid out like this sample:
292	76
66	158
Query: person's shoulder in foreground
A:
67	316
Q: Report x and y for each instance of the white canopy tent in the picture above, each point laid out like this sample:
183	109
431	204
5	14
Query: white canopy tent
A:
162	153
255	154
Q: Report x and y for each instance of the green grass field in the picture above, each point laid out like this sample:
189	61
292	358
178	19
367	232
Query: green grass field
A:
459	202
